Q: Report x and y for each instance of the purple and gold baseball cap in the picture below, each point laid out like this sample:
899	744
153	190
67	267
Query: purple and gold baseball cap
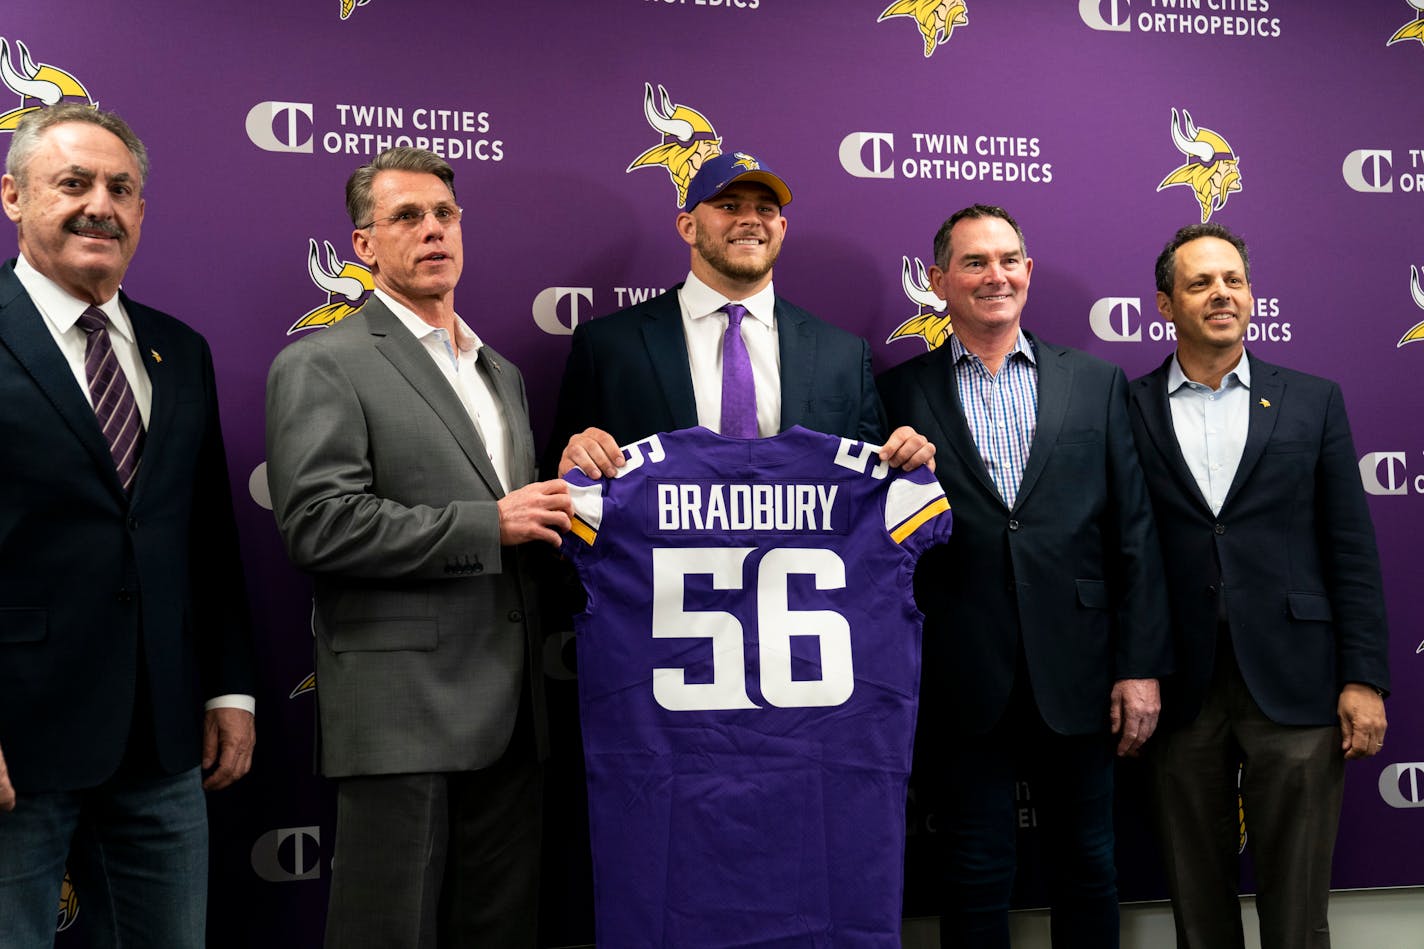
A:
718	173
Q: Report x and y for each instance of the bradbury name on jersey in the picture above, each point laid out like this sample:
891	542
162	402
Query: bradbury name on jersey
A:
718	507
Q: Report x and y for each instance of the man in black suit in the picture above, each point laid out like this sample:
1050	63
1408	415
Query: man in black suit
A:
1045	620
657	366
122	608
1278	614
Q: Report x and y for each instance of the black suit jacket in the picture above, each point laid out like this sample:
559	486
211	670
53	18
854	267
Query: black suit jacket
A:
628	374
1292	553
93	582
1073	570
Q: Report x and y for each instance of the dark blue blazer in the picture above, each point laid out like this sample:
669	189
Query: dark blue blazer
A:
1290	560
628	374
1072	570
93	582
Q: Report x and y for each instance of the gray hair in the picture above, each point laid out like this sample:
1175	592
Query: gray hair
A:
33	126
360	204
941	241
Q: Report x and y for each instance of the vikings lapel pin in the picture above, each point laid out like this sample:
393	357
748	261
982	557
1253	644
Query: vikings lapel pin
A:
154	354
1265	403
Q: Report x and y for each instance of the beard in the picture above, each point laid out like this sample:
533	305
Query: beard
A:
714	251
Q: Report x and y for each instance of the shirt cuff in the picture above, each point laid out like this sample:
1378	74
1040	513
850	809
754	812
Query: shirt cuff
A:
247	703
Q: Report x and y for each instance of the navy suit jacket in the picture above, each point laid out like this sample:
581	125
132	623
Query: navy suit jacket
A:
1073	570
1290	560
93	582
628	374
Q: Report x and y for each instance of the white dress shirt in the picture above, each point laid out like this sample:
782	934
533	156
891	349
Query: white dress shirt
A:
61	314
459	364
704	326
1211	426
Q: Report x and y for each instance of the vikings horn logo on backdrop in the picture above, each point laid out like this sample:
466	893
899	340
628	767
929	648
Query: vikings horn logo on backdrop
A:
37	86
68	905
1211	169
935	18
347	286
1413	30
348	7
932	323
1417	292
688	140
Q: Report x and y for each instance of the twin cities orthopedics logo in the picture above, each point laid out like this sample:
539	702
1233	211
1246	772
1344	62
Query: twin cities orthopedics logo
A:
1211	169
559	310
288	854
1373	171
931	323
347	285
688	140
1387	473
1416	290
935	18
1119	320
453	134
37	86
1402	785
1212	18
1414	29
947	156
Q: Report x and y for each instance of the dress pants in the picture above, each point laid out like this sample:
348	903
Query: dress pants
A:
1072	782
1292	784
446	860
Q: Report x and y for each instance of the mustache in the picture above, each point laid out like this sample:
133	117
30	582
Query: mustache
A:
104	226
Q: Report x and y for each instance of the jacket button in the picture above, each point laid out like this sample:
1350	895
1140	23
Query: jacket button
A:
133	523
124	596
1013	525
515	616
1220	528
1211	590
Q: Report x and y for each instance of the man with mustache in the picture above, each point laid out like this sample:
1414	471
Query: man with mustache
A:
126	668
658	366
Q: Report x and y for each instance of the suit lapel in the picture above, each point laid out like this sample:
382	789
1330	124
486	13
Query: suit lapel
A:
667	354
1055	385
151	342
24	333
797	350
941	394
1150	396
504	379
412	361
1267	395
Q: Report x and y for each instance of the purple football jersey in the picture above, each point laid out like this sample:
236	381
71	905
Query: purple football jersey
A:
748	670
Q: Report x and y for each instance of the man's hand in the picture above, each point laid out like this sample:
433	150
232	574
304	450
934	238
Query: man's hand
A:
907	449
1362	721
538	511
229	735
594	452
1133	710
7	790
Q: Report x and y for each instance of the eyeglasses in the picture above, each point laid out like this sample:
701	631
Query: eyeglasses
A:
446	215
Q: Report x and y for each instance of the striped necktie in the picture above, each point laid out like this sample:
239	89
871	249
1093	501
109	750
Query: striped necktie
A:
113	399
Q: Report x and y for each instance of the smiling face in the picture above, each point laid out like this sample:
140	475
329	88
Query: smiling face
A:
79	213
418	265
1210	303
735	238
985	281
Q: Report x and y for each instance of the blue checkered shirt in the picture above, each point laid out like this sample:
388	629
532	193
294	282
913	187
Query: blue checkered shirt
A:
1001	409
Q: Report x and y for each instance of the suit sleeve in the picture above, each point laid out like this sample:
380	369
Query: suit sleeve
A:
1350	555
872	426
220	613
573	413
1144	649
329	510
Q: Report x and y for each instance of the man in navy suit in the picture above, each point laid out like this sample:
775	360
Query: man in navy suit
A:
125	654
1045	619
1278	615
657	366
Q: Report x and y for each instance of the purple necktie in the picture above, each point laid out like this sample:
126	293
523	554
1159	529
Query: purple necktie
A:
113	399
738	390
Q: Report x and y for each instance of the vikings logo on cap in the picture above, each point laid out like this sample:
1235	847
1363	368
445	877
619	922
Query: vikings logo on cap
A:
37	86
347	286
688	140
718	173
1417	291
1413	30
935	18
1211	169
932	323
348	7
68	905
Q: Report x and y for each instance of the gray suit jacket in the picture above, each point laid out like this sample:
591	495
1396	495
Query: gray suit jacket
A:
425	626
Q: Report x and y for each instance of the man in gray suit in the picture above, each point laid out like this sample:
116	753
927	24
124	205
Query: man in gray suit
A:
400	462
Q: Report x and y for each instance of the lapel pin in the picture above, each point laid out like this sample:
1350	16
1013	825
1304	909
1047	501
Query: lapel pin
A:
154	354
1265	403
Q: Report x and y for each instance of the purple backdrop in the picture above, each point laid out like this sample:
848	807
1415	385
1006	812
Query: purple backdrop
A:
1060	110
